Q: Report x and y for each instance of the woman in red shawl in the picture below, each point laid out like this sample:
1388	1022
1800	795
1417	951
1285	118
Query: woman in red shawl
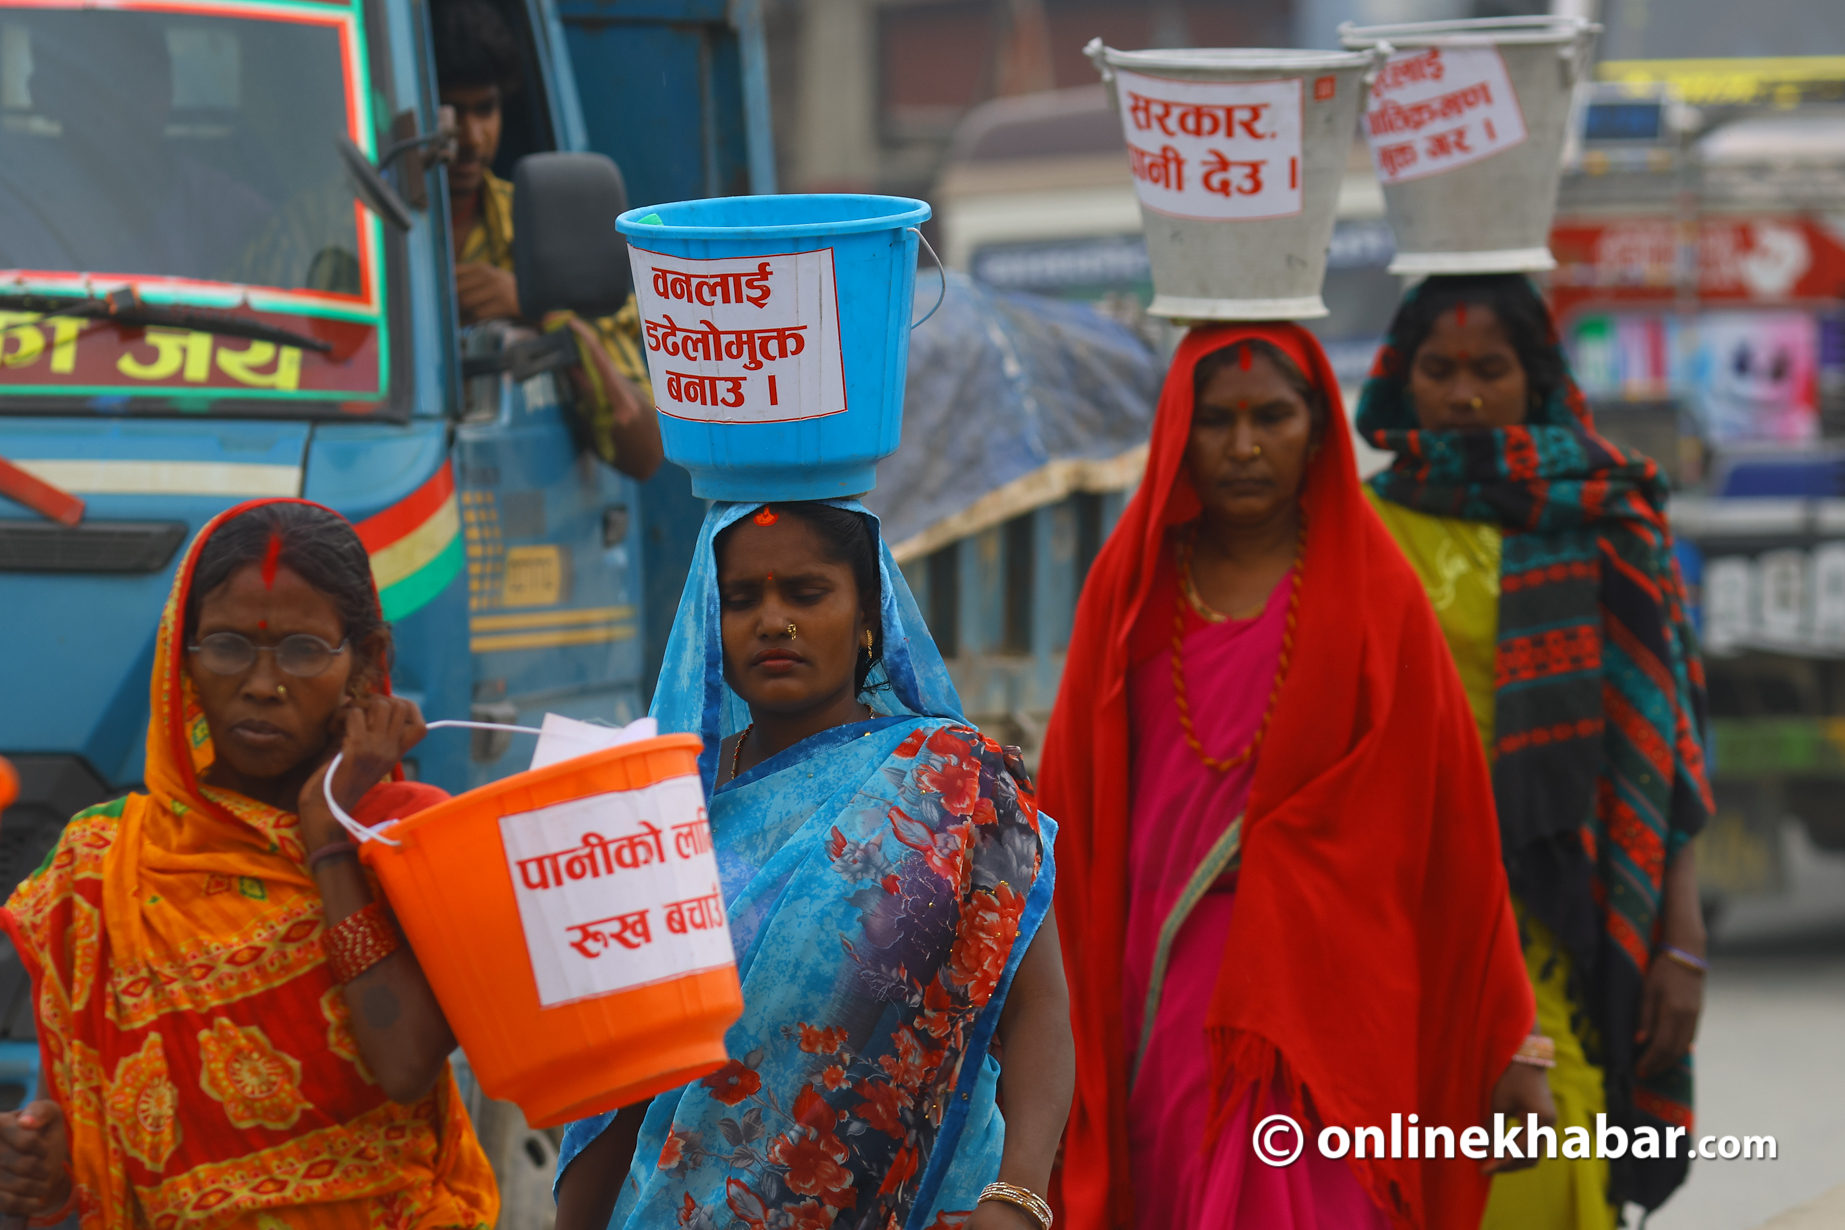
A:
1282	892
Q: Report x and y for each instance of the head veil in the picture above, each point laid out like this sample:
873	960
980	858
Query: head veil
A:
1371	888
910	677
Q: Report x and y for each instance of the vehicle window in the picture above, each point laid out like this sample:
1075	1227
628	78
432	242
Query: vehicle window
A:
180	159
175	144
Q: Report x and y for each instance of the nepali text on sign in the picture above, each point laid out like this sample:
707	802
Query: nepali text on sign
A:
741	339
1213	150
1440	108
617	890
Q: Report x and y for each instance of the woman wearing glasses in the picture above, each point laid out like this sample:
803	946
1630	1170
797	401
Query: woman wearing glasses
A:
228	1019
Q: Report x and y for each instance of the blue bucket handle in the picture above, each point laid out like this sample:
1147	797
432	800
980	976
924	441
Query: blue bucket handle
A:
939	299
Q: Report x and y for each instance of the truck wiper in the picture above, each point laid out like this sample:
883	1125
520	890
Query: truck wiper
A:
125	308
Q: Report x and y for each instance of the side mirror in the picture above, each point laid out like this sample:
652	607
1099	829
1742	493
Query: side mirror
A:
370	187
567	253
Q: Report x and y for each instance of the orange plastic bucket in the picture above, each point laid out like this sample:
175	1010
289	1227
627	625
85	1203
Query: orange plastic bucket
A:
570	922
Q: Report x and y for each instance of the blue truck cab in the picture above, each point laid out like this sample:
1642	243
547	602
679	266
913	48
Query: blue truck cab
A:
197	308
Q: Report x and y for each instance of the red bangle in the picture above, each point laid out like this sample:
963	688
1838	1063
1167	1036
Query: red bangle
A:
359	941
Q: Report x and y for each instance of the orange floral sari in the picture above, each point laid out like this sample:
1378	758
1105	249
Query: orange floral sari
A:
188	1023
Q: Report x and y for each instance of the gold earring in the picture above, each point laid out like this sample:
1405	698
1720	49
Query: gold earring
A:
868	640
793	632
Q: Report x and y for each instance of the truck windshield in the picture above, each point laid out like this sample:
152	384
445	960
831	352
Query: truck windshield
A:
186	150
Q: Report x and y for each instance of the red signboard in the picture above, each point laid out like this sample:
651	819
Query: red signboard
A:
1745	259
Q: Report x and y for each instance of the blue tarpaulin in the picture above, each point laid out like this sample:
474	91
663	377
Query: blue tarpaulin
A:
1013	401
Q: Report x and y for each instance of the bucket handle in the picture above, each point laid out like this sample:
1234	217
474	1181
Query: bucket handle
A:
364	833
939	299
1573	56
1097	51
1381	51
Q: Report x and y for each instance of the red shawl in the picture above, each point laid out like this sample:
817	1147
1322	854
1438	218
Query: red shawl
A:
1373	957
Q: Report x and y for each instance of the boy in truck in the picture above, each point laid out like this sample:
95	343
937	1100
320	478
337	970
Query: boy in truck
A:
477	67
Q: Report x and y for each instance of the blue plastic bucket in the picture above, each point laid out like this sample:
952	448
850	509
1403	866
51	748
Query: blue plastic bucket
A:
777	332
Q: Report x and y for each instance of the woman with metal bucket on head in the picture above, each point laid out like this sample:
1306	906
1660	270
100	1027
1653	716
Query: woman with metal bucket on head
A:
888	879
1281	888
227	1016
1545	551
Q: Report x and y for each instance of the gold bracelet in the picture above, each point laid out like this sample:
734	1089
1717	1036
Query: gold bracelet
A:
1536	1050
1022	1198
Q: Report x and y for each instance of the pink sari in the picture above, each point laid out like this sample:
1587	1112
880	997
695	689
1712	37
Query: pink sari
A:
1182	868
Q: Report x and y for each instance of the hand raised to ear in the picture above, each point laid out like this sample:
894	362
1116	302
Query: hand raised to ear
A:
375	732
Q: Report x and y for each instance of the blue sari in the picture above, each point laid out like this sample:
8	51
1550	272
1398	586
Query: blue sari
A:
883	881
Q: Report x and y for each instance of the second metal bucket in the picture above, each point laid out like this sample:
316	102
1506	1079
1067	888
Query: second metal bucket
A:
1237	155
1466	122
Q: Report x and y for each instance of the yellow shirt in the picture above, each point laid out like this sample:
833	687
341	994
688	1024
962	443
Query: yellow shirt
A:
1458	564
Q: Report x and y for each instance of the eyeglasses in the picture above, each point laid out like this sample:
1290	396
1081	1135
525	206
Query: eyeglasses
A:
301	655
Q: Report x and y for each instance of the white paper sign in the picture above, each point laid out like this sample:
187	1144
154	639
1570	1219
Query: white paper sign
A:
561	738
1213	150
617	890
741	339
1440	108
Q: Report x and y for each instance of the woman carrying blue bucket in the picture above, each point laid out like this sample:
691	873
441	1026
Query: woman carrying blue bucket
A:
887	873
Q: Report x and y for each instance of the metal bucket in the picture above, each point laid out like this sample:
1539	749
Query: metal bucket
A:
1237	156
1466	122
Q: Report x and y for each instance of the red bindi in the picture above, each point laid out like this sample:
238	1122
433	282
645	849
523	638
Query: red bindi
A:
766	516
1462	356
1242	405
262	623
271	558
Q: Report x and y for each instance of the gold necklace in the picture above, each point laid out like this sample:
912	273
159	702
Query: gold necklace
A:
1188	596
1206	612
736	752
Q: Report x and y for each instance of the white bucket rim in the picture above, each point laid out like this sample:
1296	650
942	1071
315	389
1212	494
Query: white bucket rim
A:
1280	59
1182	307
1538	29
1499	260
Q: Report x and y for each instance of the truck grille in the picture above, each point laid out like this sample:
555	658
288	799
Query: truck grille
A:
94	546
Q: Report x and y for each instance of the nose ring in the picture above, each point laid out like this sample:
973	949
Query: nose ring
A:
793	632
1255	451
281	689
1477	402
